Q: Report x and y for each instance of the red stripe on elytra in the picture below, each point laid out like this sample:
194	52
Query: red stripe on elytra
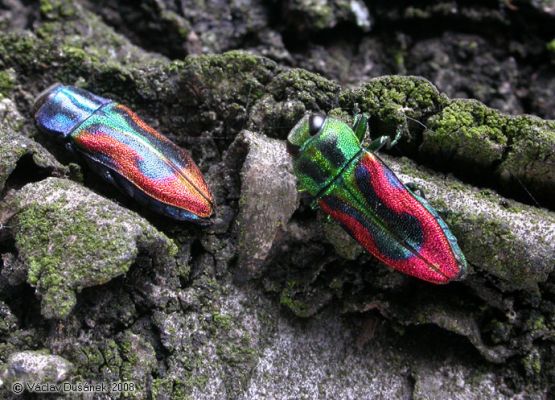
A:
172	190
411	266
190	169
435	248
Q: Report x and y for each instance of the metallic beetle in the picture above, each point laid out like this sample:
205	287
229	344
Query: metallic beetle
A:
356	188
126	152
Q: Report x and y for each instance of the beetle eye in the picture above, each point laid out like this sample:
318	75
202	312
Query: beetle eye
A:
315	123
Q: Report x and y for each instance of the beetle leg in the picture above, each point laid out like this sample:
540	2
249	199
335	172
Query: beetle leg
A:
69	147
107	175
415	189
360	126
314	204
104	172
421	196
398	134
377	144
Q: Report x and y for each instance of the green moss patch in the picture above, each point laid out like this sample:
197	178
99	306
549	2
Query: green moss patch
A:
70	238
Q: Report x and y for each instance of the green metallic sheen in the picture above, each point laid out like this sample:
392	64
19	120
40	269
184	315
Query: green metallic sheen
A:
354	187
334	134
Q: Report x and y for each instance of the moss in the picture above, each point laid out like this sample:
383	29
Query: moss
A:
198	381
229	83
111	354
467	132
46	7
317	15
507	262
480	140
54	9
161	388
499	332
97	359
78	55
44	243
464	135
222	321
183	32
393	100
7	81
238	353
527	159
88	359
321	15
287	299
342	115
29	55
66	249
313	90
76	173
138	362
532	363
180	390
536	323
226	84
235	354
242	71
18	51
413	94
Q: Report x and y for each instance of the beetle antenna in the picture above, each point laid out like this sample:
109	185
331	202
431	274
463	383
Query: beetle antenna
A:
423	125
526	190
248	104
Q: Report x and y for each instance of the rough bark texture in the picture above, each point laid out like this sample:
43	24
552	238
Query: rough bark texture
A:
273	300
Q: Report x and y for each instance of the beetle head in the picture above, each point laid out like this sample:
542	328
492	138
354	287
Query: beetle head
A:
317	130
307	128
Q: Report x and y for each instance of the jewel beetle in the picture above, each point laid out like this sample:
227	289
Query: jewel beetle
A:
356	188
126	152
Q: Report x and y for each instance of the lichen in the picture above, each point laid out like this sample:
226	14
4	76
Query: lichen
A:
66	249
35	367
175	320
128	358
